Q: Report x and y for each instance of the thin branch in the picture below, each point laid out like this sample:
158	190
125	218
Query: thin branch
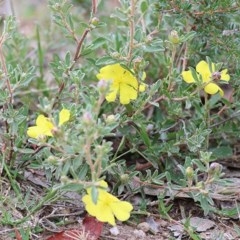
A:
4	68
79	46
78	49
88	157
94	7
69	28
236	8
84	35
10	91
131	30
234	115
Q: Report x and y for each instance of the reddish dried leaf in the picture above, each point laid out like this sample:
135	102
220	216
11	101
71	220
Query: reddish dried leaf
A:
66	235
18	235
93	227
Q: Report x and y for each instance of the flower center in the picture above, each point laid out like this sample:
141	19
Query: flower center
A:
216	76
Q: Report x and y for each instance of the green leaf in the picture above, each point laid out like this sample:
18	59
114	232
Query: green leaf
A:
24	150
222	152
70	21
144	6
154	46
83	172
106	60
144	135
188	36
194	74
68	59
237	229
97	43
118	14
74	187
3	96
94	194
210	63
199	164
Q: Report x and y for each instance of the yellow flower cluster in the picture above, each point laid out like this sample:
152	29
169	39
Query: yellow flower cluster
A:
208	76
107	206
122	82
45	127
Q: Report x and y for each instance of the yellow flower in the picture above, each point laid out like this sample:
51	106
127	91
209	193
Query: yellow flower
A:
208	77
44	126
64	116
107	207
122	82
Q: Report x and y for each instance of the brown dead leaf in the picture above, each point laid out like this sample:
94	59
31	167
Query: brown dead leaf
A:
91	230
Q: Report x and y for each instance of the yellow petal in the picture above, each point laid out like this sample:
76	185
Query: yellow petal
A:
203	69
107	207
89	205
43	127
224	75
44	123
142	87
64	116
123	82
103	184
34	132
188	77
128	78
121	210
127	93
213	88
109	72
113	91
104	214
101	210
144	75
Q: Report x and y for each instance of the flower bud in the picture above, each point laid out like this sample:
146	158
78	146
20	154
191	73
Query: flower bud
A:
87	118
64	179
56	132
110	118
124	178
137	62
189	172
94	21
52	160
102	86
189	175
57	6
200	185
173	37
215	169
148	39
216	76
115	55
204	192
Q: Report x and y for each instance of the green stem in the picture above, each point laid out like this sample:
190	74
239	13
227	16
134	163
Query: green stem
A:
171	67
119	156
45	200
131	30
41	82
207	118
12	181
